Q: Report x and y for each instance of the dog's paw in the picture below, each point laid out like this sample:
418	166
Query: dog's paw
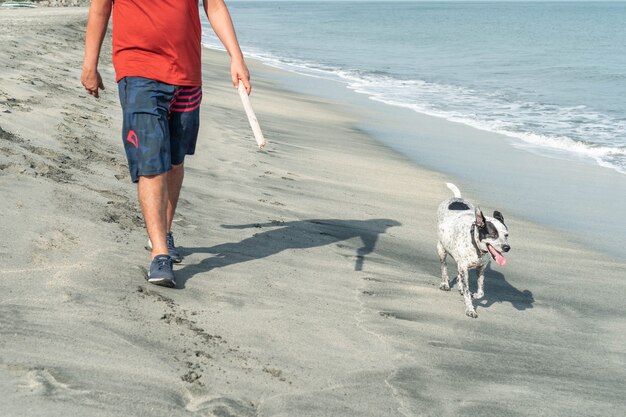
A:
478	295
444	286
471	313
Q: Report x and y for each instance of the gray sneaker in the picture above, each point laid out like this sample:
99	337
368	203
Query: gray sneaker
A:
161	272
171	248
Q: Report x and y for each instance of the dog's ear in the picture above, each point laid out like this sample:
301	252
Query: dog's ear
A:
498	216
480	218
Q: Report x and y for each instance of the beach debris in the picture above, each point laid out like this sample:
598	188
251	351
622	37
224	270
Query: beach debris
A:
254	123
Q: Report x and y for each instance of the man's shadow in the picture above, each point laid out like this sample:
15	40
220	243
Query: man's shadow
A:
300	234
499	290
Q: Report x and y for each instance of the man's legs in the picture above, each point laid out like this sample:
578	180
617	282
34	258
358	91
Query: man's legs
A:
146	136
160	128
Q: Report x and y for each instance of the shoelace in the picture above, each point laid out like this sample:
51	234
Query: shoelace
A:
163	262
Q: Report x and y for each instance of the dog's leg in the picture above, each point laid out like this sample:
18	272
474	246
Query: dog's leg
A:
469	307
445	286
459	279
481	281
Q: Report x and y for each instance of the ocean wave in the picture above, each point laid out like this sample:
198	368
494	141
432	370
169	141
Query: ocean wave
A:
575	131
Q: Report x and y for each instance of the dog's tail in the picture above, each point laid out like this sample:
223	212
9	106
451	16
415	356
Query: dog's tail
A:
454	189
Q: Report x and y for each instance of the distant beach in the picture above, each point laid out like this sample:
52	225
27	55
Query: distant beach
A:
310	281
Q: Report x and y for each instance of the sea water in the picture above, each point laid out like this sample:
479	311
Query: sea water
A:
552	75
549	76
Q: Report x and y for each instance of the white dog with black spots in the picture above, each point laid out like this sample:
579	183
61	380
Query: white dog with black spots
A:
469	236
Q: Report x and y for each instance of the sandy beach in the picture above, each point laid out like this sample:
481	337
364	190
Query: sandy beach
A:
310	280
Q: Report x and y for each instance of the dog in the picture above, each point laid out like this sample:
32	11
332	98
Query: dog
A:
467	235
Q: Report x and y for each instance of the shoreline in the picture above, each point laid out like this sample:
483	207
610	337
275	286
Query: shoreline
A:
310	282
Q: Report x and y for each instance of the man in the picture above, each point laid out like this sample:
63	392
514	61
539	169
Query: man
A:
156	55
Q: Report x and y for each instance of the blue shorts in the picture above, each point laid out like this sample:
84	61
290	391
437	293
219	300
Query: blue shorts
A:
161	124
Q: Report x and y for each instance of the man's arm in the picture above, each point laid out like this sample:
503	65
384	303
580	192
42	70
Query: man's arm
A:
222	25
99	14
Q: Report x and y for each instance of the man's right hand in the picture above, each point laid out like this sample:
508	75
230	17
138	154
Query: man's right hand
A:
92	81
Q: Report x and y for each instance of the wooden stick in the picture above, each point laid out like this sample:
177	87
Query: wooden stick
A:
254	123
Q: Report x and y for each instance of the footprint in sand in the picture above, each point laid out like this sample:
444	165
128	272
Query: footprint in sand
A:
42	381
220	406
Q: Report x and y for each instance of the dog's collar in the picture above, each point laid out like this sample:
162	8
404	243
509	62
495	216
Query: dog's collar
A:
479	251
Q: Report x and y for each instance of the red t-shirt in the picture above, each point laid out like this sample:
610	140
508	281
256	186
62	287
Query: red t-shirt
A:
157	39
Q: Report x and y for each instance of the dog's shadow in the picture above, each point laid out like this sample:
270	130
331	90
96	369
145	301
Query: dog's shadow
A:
282	236
499	290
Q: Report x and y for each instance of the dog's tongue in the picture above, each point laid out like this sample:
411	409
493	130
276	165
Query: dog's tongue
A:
501	260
